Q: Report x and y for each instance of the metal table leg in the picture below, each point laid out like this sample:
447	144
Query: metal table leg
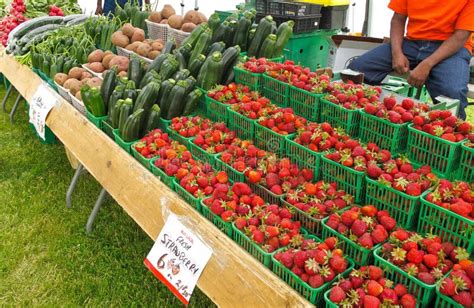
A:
79	171
100	200
15	107
5	98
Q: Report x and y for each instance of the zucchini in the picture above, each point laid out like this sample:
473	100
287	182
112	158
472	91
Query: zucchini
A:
274	27
32	24
135	69
194	36
268	47
168	68
115	114
284	33
201	45
114	98
195	66
191	102
153	120
181	74
211	71
214	21
149	77
186	50
217	46
33	33
191	83
176	100
166	88
263	30
126	109
180	58
230	33
242	32
219	34
229	59
131	130
108	85
169	47
156	64
147	97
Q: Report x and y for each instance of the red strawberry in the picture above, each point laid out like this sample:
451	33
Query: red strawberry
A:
359	227
415	256
379	234
389	295
400	290
315	281
337	294
300	258
374	288
366	241
388	222
338	264
426	278
408	301
371	302
448	287
430	260
375	272
463	298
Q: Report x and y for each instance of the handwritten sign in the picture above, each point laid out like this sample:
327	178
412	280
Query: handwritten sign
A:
178	258
40	105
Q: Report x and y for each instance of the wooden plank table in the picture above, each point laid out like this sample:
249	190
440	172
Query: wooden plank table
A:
232	278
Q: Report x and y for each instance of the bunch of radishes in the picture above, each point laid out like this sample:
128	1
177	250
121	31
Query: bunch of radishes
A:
12	20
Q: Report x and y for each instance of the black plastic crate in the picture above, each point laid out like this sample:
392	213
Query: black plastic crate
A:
302	24
261	6
293	9
333	17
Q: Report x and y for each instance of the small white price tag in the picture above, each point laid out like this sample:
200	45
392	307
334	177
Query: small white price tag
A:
178	258
41	104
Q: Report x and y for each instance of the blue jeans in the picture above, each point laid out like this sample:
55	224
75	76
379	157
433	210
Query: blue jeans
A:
109	5
448	78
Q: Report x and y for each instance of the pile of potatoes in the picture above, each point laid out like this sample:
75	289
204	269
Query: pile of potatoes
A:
133	39
100	61
74	80
185	23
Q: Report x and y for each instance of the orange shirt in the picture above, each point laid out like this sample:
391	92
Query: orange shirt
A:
436	20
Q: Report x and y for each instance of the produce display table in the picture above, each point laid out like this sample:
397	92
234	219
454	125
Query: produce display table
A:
231	278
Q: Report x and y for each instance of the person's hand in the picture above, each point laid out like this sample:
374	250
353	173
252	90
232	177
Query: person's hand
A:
400	64
419	75
98	10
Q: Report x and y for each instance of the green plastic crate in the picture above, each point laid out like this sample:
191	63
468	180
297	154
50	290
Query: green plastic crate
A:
269	140
108	129
347	179
339	116
442	301
201	154
465	171
258	253
442	155
127	146
304	157
186	196
225	227
360	255
309	223
386	135
166	179
143	160
304	103
423	293
314	295
329	303
279	59
216	111
275	90
165	125
97	121
241	125
251	80
266	194
233	174
49	137
446	224
402	207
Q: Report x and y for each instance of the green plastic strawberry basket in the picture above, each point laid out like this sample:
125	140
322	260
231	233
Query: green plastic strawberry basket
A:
339	116
165	125
266	194
202	155
186	196
314	295
360	255
329	303
304	103
138	156
448	225
347	179
423	292
303	157
108	129
241	125
127	146
308	222
235	175
443	301
97	121
166	179
225	227
256	251
385	134
275	90
402	207
465	171
269	140
442	155
216	111
251	80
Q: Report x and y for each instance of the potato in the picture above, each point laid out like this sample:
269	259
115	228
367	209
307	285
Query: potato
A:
123	74
60	78
85	80
138	35
175	21
96	67
192	16
76	72
157	46
85	75
119	39
128	30
202	17
133	46
73	85
78	95
164	21
144	49
188	27
155	17
95	82
106	60
153	54
120	62
167	11
108	52
95	56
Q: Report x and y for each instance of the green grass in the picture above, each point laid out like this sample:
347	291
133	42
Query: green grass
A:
46	257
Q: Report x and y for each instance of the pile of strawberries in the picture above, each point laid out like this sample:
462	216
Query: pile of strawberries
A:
351	153
368	287
255	109
319	199
316	263
190	126
256	66
443	124
176	160
270	227
400	174
393	112
352	96
149	145
232	94
243	156
215	140
320	137
365	225
426	258
459	285
201	181
283	121
455	196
